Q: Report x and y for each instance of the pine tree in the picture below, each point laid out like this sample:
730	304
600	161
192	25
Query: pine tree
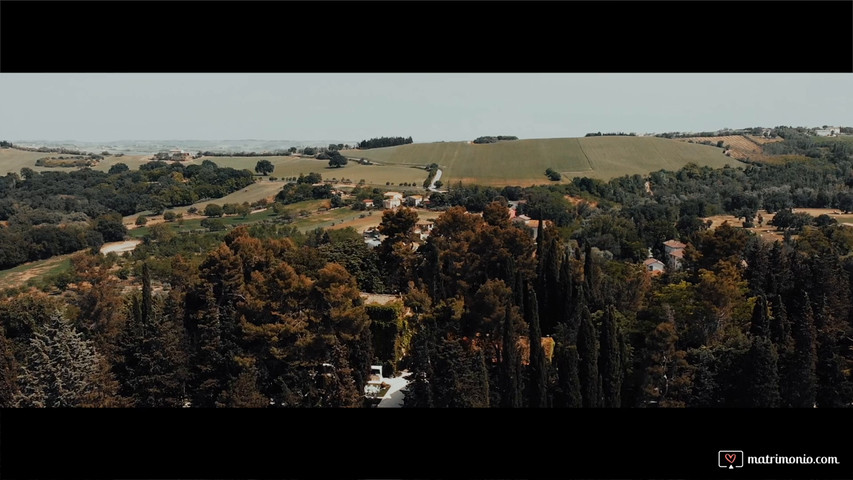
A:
8	372
780	279
62	369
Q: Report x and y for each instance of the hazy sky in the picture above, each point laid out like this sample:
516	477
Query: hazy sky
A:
428	107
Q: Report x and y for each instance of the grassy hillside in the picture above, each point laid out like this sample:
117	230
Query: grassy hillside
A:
13	160
519	162
523	162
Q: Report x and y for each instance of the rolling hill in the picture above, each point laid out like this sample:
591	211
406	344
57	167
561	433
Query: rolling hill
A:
523	162
518	162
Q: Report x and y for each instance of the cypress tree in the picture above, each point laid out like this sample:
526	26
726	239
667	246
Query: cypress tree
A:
567	296
592	279
829	373
609	360
147	308
832	387
588	361
152	366
538	366
760	324
419	392
208	374
567	391
510	363
762	373
801	379
780	327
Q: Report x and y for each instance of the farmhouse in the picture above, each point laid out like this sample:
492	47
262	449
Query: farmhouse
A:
653	266
392	200
414	200
423	228
828	132
177	155
675	252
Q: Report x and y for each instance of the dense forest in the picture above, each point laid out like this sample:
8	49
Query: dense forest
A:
488	311
51	213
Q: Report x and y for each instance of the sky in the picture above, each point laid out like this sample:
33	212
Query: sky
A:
428	107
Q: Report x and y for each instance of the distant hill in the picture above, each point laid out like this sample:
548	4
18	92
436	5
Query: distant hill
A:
523	162
150	147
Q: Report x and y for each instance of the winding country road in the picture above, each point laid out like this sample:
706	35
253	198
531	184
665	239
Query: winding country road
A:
394	396
435	179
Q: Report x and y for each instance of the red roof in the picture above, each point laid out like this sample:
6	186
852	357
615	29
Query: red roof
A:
674	244
650	261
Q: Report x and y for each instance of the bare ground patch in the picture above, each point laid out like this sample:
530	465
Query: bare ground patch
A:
769	232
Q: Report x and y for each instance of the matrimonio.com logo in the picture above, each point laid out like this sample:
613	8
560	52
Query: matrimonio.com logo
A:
730	459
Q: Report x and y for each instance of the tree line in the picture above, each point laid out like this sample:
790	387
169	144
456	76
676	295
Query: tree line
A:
380	142
494	139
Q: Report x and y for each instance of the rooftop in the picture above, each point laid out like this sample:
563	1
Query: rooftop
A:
674	244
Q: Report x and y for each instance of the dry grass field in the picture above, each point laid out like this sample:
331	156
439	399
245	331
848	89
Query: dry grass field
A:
20	275
12	160
769	232
362	224
741	147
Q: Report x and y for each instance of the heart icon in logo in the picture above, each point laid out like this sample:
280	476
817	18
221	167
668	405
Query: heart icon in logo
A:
731	457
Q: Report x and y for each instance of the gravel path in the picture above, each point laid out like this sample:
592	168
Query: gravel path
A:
394	397
120	247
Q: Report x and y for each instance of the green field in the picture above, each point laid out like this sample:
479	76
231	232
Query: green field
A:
316	218
840	138
286	166
13	160
523	162
31	271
